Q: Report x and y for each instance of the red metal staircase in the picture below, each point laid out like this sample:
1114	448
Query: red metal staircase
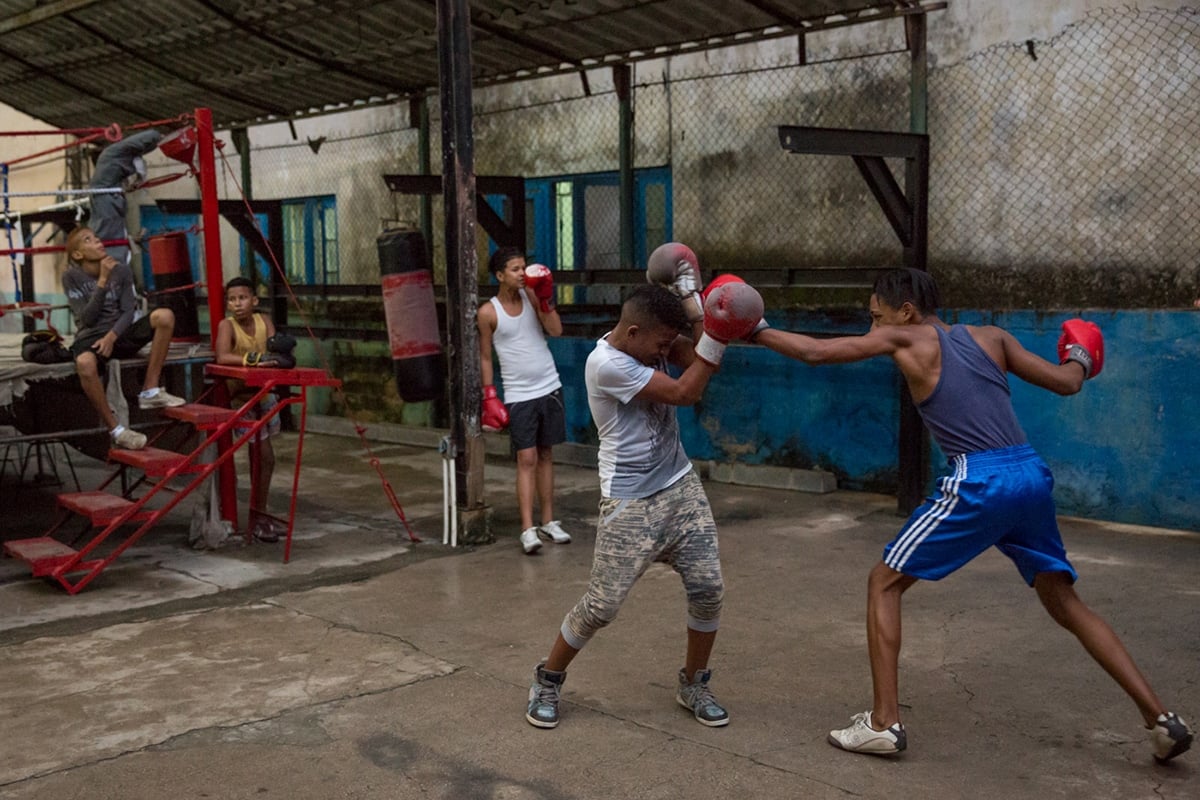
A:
162	471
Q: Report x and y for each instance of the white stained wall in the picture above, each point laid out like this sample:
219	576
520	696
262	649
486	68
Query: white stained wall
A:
39	174
969	26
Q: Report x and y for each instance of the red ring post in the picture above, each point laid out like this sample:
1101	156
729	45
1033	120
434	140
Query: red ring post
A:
214	278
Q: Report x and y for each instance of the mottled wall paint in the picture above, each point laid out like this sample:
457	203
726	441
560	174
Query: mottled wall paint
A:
1126	448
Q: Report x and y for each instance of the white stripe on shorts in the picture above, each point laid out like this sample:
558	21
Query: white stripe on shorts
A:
925	525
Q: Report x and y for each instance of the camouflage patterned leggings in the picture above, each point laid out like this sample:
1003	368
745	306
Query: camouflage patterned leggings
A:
676	526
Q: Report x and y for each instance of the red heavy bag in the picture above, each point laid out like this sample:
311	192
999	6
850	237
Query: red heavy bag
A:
172	268
411	315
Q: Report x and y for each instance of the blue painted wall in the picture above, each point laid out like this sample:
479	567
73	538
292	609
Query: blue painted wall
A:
1126	448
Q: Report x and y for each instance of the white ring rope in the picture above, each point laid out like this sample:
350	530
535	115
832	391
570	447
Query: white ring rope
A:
105	190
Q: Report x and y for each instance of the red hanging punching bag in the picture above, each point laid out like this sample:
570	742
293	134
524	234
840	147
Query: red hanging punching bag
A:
172	270
411	315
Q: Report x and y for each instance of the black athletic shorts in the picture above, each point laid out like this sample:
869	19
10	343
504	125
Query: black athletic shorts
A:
127	345
537	423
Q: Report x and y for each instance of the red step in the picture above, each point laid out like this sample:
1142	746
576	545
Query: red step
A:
199	415
152	460
45	555
100	507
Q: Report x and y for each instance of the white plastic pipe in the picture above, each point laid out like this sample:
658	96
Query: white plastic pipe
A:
453	503
445	497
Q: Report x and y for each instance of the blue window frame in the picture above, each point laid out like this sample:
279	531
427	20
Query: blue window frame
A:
573	221
310	240
246	252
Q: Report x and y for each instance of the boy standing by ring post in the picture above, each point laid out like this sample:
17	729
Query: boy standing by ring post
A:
999	493
247	338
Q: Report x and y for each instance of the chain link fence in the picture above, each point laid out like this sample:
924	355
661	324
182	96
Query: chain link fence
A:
1064	174
1066	169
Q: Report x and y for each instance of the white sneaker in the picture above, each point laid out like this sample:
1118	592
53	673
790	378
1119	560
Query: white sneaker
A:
160	399
129	439
860	737
555	532
530	541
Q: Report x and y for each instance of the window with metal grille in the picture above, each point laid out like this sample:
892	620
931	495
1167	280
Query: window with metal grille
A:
310	240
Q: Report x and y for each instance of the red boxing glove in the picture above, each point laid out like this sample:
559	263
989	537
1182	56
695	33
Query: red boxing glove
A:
727	279
539	278
720	281
732	311
1082	342
495	415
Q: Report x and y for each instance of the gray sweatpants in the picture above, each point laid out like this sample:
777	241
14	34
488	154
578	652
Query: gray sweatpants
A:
675	526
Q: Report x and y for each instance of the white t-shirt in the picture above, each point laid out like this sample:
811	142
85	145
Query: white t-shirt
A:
640	451
526	366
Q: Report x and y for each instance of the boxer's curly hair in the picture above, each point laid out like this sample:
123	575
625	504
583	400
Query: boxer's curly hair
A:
899	286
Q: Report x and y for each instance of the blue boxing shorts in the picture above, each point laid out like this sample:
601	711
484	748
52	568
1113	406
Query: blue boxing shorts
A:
994	497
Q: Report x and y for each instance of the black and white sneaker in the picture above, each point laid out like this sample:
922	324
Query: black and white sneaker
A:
542	710
695	696
1169	737
862	737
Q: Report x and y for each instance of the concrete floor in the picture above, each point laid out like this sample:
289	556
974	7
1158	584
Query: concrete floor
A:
372	668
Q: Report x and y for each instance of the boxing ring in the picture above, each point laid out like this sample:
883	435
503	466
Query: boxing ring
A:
43	403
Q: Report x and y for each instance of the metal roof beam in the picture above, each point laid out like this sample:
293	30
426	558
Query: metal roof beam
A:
208	87
509	35
665	51
42	13
772	10
329	64
139	113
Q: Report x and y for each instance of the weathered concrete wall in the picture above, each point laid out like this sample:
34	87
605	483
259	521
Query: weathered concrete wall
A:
1062	173
1126	448
1061	169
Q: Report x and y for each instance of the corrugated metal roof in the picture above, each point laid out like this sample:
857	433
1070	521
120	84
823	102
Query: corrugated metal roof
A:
83	63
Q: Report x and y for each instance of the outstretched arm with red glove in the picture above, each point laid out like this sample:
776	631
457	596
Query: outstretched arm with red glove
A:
732	310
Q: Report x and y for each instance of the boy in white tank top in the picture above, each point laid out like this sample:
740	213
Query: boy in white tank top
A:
516	322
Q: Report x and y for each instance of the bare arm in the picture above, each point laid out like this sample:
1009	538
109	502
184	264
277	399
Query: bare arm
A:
485	321
685	390
551	322
884	341
1059	378
225	354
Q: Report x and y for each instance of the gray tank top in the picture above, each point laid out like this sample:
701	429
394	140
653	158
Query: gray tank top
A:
971	406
